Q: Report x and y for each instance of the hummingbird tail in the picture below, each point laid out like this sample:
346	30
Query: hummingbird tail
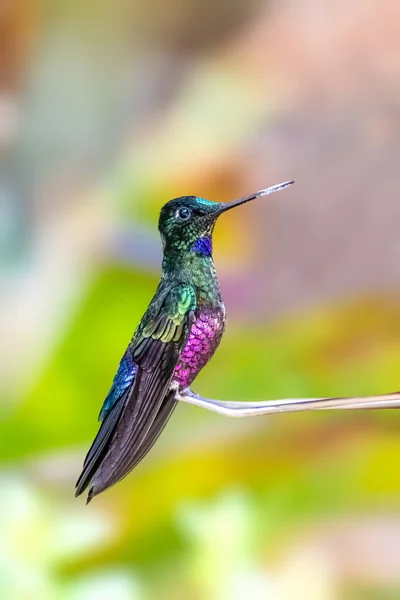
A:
101	444
113	469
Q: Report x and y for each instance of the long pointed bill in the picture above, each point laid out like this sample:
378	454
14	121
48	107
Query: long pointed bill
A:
274	188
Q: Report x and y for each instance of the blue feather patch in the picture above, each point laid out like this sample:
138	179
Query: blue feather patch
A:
122	381
203	246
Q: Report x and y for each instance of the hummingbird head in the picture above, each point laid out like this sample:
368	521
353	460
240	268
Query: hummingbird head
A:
186	224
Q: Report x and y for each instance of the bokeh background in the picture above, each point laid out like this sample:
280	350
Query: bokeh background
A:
108	109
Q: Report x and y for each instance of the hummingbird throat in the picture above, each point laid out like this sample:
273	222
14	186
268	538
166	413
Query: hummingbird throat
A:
203	246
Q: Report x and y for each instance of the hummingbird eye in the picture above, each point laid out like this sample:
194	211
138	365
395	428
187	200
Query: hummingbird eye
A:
183	213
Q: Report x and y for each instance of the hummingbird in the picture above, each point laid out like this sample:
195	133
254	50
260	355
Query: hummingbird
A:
176	337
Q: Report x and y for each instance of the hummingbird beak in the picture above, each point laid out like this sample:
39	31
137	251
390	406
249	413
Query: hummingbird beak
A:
274	188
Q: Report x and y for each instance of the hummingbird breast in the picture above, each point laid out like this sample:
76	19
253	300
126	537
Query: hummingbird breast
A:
204	338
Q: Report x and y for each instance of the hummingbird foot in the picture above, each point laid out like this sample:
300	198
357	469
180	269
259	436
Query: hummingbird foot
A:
187	393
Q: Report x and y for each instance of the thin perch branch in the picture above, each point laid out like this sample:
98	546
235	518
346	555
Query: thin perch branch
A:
269	407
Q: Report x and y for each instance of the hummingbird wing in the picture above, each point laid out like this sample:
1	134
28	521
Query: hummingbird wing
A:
122	382
112	406
140	400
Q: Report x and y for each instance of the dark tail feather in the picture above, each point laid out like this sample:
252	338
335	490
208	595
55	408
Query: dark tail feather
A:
160	422
141	409
100	446
110	472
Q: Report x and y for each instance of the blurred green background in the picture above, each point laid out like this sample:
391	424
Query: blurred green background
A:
108	109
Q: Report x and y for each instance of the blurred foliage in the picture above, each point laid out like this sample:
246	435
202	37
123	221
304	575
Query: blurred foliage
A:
286	470
109	109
